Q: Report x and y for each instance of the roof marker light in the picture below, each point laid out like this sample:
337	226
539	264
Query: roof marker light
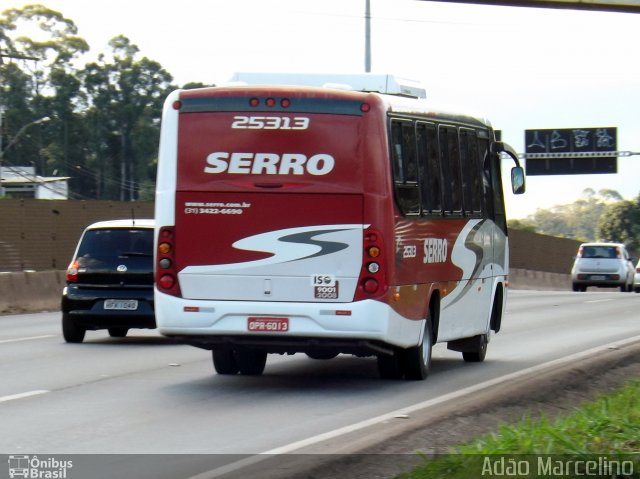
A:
254	102
365	107
177	105
285	102
270	102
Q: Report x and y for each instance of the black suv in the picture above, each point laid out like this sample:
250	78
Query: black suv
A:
110	280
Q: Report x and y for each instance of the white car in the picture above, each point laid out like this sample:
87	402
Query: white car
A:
636	282
604	265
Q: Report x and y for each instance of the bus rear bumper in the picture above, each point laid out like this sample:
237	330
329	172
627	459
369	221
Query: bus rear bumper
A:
361	328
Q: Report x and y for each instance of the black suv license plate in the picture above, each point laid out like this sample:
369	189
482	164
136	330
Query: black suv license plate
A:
121	304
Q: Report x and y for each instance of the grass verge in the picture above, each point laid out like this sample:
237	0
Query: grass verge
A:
601	438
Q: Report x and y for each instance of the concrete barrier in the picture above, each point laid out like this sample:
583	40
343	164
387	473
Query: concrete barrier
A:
31	291
541	280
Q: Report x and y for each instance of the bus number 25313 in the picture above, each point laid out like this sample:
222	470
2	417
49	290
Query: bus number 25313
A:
270	123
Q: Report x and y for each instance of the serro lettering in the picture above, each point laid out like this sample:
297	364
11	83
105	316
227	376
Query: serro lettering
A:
435	250
269	163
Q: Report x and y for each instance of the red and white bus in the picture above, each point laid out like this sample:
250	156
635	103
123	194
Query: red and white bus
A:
322	220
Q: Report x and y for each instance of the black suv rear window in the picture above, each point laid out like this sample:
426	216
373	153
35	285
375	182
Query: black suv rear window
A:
110	246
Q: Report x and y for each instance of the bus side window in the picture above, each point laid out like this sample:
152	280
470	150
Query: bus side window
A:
451	182
396	144
476	167
431	191
493	186
487	183
405	166
465	172
471	175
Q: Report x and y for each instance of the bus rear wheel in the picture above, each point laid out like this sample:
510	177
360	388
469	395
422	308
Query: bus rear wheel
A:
251	362
417	360
390	366
224	361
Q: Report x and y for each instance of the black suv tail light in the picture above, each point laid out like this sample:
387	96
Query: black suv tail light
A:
72	272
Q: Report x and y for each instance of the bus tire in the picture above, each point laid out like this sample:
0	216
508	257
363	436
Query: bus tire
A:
224	361
390	366
480	353
250	362
495	321
417	360
71	332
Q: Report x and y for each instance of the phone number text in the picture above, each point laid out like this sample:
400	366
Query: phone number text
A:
213	211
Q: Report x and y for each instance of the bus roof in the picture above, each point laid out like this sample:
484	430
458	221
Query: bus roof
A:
276	83
368	82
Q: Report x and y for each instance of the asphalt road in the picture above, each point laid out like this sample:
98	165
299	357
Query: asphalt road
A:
145	395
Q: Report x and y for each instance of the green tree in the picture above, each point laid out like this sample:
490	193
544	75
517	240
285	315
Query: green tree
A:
621	223
522	225
104	117
40	81
125	97
575	220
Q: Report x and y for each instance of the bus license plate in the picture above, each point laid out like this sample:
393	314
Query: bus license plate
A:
121	304
268	325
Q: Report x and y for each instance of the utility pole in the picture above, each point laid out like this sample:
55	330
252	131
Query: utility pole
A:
367	36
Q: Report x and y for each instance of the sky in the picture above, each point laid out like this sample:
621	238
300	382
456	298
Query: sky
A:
522	68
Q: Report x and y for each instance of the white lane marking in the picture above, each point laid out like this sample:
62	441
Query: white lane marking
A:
15	340
234	466
599	300
23	395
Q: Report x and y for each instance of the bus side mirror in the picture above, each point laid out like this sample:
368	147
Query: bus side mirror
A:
517	172
517	180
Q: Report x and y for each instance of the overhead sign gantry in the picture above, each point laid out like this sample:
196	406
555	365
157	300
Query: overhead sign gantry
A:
571	151
628	6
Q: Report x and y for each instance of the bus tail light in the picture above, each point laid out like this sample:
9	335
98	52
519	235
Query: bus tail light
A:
72	272
372	281
370	285
166	274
